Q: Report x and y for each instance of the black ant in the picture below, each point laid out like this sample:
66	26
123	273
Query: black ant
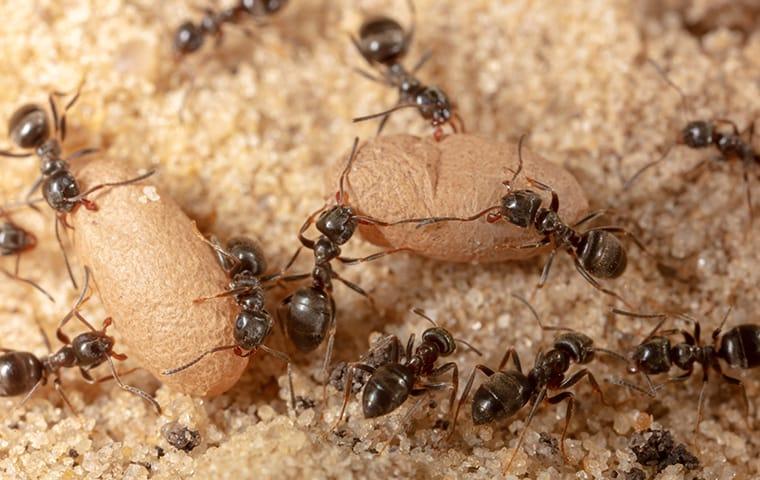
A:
506	392
383	43
23	373
597	252
14	240
739	347
29	129
308	314
244	262
699	134
393	382
189	37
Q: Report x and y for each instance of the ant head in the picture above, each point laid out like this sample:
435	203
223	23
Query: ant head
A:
252	328
602	254
579	346
382	40
697	134
434	105
61	190
92	348
262	7
188	38
520	207
28	127
653	356
338	224
249	255
442	339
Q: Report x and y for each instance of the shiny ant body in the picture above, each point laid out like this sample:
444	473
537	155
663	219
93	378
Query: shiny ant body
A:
308	314
244	262
657	354
393	382
700	134
23	373
597	252
383	43
506	392
190	36
29	128
14	240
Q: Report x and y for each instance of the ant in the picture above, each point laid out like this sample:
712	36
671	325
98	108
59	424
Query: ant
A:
698	134
739	347
29	129
383	43
597	252
189	37
14	240
308	314
244	262
22	373
506	392
394	381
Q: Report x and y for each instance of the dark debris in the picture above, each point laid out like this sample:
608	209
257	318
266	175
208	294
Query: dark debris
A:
181	437
656	448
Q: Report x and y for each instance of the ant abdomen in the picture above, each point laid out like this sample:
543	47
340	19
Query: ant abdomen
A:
19	373
28	127
309	313
382	40
387	389
501	396
602	254
740	346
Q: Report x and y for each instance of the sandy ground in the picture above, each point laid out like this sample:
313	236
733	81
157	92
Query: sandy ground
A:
266	115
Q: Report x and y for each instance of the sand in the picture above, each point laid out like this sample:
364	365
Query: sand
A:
265	117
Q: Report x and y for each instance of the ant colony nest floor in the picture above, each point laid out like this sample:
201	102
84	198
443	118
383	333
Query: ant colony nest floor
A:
244	153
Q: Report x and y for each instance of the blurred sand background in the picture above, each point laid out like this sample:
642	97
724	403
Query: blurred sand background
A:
264	118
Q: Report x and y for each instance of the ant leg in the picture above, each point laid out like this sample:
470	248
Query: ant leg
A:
663	318
81	153
587	276
9	154
328	352
545	270
14	276
700	402
374	256
716	332
554	206
421	222
382	124
133	390
629	183
27	396
729	122
478	367
58	238
570	399
454	380
356	288
748	191
369	76
35	186
591	216
59	389
227	293
537	402
510	353
61	126
422	61
308	243
578	376
283	357
409	347
347	388
652	392
528	246
740	384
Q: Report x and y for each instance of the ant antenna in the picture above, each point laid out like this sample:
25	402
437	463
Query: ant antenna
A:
509	183
36	286
671	83
538	318
382	114
344	175
200	357
83	297
422	314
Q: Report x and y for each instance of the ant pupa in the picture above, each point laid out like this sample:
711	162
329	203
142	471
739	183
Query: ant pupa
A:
505	392
394	381
308	314
190	36
29	128
699	134
244	262
597	252
23	373
15	240
383	43
739	347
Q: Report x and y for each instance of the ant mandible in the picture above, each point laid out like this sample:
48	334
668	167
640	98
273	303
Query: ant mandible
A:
29	129
383	43
23	373
699	134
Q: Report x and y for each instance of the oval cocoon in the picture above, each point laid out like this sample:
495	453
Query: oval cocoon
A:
148	266
402	176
